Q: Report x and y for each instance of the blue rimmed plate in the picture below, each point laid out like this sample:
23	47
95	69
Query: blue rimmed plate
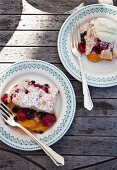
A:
101	74
42	72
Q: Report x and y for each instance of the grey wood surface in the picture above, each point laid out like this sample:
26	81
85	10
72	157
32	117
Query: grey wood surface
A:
29	30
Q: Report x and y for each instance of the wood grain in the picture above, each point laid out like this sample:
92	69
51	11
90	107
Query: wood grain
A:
110	165
12	161
77	161
79	146
10	6
93	126
54	6
43	22
29	38
22	53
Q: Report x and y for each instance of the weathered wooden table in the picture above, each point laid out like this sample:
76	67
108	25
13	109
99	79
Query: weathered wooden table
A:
29	30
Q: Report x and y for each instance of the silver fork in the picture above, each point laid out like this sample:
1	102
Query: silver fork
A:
75	38
8	117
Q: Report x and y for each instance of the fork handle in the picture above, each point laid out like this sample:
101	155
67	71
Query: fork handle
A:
57	159
88	104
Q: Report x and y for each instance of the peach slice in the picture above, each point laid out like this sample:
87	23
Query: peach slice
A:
94	57
40	128
29	123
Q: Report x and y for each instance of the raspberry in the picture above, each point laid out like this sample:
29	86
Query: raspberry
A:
81	47
21	116
38	85
100	45
45	88
48	119
4	98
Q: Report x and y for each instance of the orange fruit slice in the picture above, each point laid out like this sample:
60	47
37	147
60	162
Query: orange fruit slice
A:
94	57
40	128
29	123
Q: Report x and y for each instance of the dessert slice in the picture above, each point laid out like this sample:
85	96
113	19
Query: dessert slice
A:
100	40
32	95
33	104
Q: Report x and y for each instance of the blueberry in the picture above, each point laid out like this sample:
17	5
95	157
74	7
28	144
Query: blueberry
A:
32	111
15	109
30	115
47	85
33	82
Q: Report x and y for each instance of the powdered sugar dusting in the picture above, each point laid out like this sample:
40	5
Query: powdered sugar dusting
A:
26	95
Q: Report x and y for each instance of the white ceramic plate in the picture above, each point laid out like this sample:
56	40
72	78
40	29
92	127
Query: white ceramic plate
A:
101	74
42	72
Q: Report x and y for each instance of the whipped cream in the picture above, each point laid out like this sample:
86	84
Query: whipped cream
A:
105	29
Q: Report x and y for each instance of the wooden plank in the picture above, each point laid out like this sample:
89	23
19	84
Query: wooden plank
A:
12	161
9	21
10	6
71	162
22	53
110	2
102	107
34	22
110	165
115	2
94	126
35	6
102	97
96	92
41	7
29	38
15	161
78	146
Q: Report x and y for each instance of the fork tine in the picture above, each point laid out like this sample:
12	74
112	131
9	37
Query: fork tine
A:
3	114
3	118
6	109
78	32
71	36
76	35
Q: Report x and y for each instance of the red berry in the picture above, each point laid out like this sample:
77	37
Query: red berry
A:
81	47
17	90
4	98
21	115
48	119
26	91
45	89
38	85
